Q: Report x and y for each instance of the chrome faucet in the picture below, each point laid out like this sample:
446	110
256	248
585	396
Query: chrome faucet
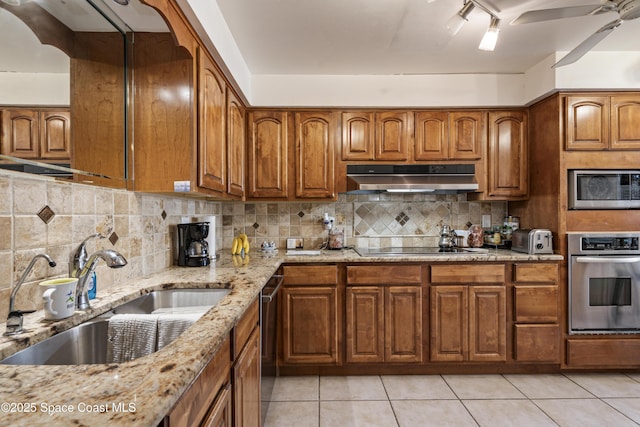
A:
113	260
14	321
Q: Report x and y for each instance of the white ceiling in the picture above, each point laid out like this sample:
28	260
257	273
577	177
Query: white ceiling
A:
394	37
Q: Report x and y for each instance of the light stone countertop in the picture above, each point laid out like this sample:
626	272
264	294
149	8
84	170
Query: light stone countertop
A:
90	395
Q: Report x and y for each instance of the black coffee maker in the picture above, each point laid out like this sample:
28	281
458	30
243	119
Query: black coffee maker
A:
193	250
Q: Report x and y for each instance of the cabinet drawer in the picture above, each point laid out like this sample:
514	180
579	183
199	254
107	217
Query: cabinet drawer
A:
194	403
536	273
244	327
468	273
609	352
536	304
384	275
537	343
311	275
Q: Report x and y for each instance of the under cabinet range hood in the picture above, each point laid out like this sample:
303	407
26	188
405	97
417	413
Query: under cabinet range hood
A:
451	178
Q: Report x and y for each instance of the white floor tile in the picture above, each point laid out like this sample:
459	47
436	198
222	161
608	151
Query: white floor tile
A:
551	386
293	414
482	387
356	414
499	413
607	385
418	387
436	413
296	388
583	413
352	388
628	406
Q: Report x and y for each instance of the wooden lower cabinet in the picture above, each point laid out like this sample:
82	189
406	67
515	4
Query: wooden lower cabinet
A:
310	324
468	323
205	398
220	414
246	384
384	324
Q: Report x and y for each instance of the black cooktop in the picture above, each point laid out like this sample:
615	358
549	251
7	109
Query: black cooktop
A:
414	251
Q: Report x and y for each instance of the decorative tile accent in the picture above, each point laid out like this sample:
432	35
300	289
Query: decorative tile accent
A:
400	219
300	214
113	238
256	225
163	215
46	214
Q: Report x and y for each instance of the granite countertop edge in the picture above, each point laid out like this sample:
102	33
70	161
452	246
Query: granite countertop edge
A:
143	391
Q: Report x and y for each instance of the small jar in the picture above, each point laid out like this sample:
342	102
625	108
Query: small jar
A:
336	239
476	236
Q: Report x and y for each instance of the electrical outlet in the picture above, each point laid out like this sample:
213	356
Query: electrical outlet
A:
486	221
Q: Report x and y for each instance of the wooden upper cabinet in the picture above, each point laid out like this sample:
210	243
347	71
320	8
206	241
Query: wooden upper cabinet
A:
20	133
507	159
36	133
236	136
442	135
393	134
432	135
314	155
212	141
358	136
382	135
587	122
55	134
268	154
625	122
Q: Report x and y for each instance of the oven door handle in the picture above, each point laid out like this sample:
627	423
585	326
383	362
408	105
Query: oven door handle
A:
270	296
608	260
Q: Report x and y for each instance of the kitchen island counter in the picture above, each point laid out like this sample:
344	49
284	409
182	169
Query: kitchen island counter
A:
142	391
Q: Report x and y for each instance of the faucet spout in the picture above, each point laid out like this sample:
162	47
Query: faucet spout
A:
112	258
14	321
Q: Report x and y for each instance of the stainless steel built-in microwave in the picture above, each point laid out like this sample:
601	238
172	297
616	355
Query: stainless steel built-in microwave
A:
604	189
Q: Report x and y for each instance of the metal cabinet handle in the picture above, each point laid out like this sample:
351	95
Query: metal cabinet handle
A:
269	297
608	260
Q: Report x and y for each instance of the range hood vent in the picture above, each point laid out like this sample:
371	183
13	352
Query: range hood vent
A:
452	178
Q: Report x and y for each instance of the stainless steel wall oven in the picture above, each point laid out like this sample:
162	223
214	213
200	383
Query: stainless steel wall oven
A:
604	283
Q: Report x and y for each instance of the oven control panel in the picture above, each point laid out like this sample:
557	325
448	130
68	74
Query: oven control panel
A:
609	243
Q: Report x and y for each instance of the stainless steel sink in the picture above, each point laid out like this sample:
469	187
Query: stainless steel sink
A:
168	300
88	343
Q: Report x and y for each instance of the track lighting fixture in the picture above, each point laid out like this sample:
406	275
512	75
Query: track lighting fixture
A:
490	38
457	21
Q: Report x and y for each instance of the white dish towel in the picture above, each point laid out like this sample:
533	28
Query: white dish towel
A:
131	336
170	326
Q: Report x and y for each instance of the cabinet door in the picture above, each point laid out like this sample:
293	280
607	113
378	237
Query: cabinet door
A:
314	155
235	145
55	134
358	134
625	116
20	133
432	135
220	414
246	384
310	325
365	324
268	159
587	122
487	323
507	164
403	324
393	133
212	138
467	135
449	323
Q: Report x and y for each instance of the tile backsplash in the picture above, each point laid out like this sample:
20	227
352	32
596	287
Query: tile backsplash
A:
368	220
144	226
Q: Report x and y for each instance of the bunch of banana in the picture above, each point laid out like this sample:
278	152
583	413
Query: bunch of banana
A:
240	244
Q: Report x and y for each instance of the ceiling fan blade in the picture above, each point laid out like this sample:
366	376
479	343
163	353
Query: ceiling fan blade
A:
588	44
559	13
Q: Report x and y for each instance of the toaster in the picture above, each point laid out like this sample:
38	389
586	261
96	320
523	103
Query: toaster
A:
532	241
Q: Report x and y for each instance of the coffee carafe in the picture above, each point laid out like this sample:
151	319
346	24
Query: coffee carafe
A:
193	249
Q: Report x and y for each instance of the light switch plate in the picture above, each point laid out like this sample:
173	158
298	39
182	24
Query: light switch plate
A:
486	221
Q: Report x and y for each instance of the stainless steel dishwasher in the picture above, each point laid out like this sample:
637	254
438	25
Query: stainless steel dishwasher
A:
269	342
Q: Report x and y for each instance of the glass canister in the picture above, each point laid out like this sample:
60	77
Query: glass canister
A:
511	222
336	238
476	236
